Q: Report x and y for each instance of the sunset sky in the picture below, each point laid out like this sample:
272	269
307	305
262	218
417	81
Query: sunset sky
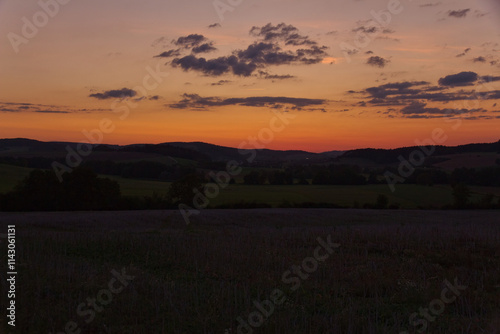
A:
355	73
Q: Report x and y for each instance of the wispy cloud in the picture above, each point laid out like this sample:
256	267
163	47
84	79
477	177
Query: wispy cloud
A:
14	107
195	101
114	93
458	13
377	61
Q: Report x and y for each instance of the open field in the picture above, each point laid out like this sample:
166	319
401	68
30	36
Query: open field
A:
200	278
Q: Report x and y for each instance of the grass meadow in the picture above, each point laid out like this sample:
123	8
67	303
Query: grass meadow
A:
200	278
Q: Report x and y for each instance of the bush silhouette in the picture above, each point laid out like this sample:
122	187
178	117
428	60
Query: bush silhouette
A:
80	190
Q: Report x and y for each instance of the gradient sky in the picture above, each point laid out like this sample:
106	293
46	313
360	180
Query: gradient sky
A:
351	82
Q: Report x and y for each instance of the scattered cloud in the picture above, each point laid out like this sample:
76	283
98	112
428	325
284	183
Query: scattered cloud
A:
115	93
417	108
459	79
169	53
490	78
458	13
266	75
14	107
479	59
215	67
279	44
215	25
281	32
377	61
221	82
365	29
195	101
401	93
463	53
205	47
189	41
395	88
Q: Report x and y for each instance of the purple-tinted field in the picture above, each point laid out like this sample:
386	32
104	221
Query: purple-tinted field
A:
200	278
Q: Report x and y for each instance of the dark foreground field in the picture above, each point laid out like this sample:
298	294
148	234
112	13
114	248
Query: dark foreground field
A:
229	272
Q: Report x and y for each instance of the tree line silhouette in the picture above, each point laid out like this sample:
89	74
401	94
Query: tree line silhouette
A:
84	190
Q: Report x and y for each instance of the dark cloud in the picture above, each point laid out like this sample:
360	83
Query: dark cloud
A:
169	53
15	107
215	25
377	61
365	29
479	59
458	13
215	67
266	54
221	82
415	95
459	79
189	41
205	47
417	108
260	54
395	88
52	111
195	101
463	53
43	111
489	78
266	75
117	93
369	52
281	32
154	98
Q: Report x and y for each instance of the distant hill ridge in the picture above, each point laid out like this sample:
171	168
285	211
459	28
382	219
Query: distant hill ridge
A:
200	151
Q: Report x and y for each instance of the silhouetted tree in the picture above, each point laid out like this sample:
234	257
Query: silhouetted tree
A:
461	195
81	189
254	177
382	202
182	191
